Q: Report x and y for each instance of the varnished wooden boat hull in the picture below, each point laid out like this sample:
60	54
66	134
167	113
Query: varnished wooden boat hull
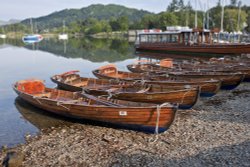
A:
185	97
138	118
229	81
141	68
208	87
209	49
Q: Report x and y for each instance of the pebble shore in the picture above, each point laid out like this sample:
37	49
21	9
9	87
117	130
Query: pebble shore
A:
216	132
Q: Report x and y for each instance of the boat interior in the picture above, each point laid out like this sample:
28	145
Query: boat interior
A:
37	89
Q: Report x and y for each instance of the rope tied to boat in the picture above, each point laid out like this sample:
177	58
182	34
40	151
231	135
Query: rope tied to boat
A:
142	82
158	109
109	95
60	104
84	90
36	98
184	95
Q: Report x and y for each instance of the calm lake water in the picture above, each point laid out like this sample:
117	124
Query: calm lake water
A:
19	61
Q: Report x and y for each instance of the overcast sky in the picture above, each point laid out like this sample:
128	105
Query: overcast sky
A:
21	9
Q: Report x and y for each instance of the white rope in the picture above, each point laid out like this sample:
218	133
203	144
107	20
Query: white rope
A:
182	100
158	120
34	97
60	104
109	95
84	90
158	116
142	82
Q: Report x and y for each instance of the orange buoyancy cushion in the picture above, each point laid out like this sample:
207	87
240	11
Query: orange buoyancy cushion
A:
31	86
166	63
108	69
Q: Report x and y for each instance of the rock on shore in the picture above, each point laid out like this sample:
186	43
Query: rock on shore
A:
215	133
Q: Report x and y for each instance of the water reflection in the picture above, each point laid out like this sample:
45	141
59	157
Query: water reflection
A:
94	50
37	117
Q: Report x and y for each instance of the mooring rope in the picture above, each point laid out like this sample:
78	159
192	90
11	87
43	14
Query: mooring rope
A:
184	95
36	98
158	115
60	104
158	108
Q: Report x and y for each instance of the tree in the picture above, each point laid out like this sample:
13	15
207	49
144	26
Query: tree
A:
188	6
123	23
105	26
233	2
114	24
173	6
181	5
231	19
149	21
167	19
219	3
248	24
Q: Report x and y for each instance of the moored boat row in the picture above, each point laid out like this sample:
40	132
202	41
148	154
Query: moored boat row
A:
145	99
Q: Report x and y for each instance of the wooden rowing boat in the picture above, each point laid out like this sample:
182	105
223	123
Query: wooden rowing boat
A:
186	97
147	68
228	80
140	116
208	87
230	77
72	81
220	69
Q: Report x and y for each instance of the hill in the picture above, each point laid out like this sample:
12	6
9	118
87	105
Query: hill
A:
11	21
98	11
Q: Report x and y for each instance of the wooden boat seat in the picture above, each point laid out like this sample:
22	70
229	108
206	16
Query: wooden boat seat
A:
43	95
81	84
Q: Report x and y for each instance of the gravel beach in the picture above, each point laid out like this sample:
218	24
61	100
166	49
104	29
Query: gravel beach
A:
215	132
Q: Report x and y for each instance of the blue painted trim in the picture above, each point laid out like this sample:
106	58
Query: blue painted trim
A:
185	107
246	80
207	94
229	87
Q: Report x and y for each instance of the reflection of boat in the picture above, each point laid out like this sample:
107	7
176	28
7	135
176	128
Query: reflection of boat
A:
63	36
3	36
32	38
36	116
140	116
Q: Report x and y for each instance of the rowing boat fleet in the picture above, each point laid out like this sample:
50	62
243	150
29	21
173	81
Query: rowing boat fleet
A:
144	99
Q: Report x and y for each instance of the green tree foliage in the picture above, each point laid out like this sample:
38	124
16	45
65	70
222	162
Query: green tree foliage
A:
233	2
167	19
99	12
107	18
181	5
173	6
230	18
149	21
123	23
